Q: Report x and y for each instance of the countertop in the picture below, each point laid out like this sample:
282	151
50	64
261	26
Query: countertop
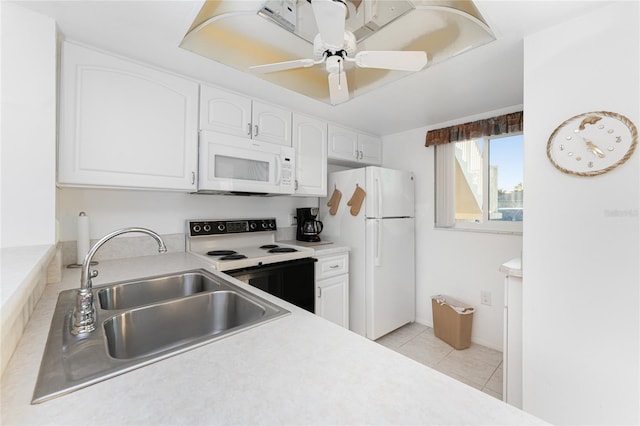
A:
298	369
513	267
22	281
18	265
322	248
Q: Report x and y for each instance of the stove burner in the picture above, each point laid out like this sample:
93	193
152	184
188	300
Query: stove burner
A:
282	250
269	246
233	257
221	252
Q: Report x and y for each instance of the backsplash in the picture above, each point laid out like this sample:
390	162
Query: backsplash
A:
124	247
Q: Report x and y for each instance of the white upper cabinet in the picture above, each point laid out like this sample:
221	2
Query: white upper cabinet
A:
271	123
353	147
227	112
310	143
343	143
224	112
370	148
123	124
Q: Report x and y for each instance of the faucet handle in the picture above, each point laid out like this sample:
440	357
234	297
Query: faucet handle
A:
93	273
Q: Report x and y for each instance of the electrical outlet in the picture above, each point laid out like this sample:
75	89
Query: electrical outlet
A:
292	220
485	297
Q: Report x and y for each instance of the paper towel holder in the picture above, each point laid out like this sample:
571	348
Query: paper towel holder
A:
79	265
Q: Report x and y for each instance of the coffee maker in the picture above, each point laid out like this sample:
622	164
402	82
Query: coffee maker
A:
308	228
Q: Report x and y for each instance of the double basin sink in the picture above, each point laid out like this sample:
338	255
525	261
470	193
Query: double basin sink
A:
143	321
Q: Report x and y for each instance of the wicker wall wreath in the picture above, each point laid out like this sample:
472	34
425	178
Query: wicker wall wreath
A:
592	143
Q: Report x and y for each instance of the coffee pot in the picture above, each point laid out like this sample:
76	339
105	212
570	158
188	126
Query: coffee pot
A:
308	228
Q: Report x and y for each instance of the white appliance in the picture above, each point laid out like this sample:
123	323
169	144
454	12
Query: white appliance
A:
235	165
231	244
246	249
382	242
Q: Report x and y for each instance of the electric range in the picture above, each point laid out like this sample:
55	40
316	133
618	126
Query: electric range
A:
240	243
246	250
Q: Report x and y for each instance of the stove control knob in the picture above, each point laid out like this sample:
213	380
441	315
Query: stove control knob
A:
272	225
207	228
253	226
221	227
264	225
196	228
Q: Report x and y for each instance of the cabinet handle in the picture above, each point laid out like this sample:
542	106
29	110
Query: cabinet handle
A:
256	130
361	155
319	292
296	185
334	266
249	129
193	178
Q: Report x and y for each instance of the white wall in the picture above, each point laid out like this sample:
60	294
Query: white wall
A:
581	327
456	263
28	127
164	212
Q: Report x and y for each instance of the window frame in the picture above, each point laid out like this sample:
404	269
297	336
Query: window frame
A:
445	191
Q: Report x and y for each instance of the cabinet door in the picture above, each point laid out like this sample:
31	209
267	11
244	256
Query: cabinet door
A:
343	143
125	125
332	299
370	149
271	123
310	143
224	112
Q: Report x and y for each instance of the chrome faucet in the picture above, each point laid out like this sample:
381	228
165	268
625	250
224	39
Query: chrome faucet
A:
84	314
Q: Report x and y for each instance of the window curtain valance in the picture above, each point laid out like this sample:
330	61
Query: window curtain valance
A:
507	123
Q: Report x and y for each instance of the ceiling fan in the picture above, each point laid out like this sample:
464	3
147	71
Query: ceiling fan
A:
334	45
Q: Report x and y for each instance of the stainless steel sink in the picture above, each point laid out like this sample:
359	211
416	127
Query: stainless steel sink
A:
141	324
163	326
142	292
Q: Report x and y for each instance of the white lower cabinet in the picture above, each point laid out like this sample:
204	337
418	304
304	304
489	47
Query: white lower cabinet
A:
123	124
332	286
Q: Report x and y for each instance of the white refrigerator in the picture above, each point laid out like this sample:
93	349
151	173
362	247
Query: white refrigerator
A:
382	241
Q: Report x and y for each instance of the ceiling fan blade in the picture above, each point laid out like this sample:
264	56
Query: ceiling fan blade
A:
338	89
392	60
330	17
282	66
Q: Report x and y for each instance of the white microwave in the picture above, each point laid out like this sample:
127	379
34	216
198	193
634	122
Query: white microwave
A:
235	165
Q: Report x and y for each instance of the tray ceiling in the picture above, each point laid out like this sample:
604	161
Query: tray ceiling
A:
242	34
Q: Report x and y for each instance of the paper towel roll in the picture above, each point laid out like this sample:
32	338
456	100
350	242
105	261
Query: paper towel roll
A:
83	236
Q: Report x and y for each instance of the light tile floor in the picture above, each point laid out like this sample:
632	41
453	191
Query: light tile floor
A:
477	366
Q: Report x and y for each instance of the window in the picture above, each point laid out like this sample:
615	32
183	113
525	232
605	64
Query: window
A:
479	184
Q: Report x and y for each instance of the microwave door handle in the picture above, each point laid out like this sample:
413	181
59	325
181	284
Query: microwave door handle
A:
278	170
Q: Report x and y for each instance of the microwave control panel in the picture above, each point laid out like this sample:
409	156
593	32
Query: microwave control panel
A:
287	172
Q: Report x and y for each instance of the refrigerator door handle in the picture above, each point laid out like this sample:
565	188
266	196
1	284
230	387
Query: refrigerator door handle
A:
378	196
377	261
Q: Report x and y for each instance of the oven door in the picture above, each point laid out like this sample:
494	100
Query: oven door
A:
293	281
234	164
